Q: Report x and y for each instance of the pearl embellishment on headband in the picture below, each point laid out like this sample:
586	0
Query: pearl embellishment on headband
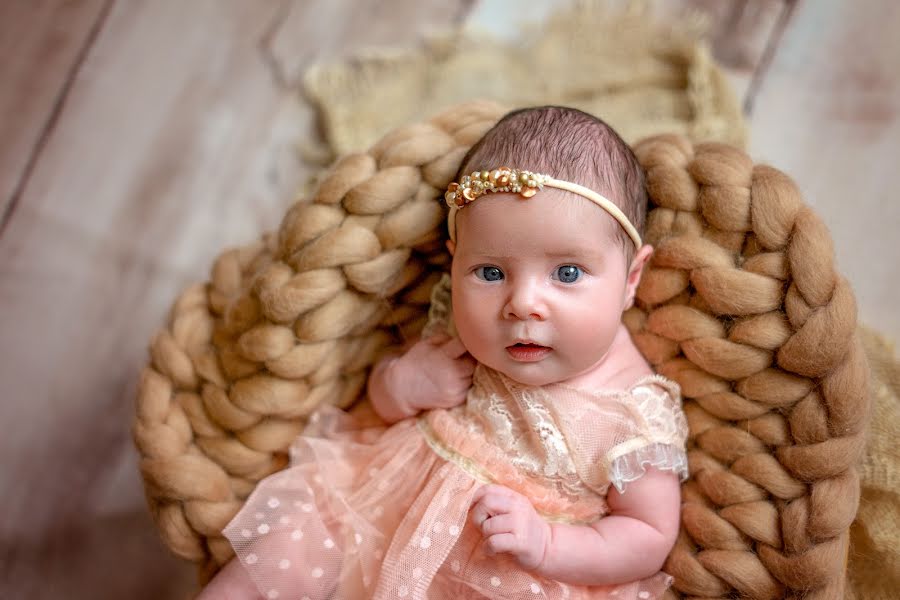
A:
504	179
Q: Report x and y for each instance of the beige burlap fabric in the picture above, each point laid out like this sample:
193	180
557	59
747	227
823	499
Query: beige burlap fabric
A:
741	305
643	75
874	552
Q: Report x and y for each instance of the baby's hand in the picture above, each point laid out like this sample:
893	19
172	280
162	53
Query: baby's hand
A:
510	524
434	373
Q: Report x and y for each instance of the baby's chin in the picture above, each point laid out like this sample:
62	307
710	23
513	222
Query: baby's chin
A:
544	372
534	374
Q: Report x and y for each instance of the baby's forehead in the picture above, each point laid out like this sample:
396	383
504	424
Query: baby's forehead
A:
554	220
558	208
569	203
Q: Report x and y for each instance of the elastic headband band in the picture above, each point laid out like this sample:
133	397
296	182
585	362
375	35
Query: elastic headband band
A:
526	184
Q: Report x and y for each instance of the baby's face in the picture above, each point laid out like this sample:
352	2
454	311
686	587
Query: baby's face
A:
538	288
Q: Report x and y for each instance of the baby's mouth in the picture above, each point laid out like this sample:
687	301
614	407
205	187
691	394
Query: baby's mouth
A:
527	352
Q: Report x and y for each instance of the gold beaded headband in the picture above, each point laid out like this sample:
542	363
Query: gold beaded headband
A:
526	184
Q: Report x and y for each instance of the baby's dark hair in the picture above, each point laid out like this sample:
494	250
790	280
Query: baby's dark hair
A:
567	144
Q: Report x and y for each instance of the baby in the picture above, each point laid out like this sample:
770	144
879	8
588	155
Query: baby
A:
531	451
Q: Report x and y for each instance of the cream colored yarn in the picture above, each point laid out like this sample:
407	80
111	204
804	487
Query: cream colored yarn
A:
741	305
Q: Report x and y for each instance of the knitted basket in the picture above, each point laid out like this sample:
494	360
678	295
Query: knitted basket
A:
741	305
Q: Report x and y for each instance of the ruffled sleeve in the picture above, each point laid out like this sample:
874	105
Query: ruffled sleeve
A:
660	432
615	436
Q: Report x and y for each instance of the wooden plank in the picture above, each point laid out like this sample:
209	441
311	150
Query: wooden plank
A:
828	114
740	32
178	139
42	43
310	32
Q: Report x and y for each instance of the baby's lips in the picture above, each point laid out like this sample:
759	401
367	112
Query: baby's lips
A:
528	352
527	343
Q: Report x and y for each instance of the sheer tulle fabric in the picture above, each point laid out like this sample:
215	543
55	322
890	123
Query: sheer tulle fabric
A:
368	511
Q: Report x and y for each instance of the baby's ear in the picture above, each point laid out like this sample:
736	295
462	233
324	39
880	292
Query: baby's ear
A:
451	246
640	260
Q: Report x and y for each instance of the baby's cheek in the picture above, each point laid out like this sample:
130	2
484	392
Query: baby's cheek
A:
476	343
594	337
472	332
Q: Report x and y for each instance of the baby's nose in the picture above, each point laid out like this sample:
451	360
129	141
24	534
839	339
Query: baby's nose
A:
525	303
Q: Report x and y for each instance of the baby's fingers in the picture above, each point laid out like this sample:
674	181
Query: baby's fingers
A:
478	515
453	348
493	492
501	542
439	338
464	368
489	500
498	524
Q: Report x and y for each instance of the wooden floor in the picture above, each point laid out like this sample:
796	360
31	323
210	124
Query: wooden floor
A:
140	137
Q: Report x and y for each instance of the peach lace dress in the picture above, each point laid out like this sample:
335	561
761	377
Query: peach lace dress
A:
368	511
371	511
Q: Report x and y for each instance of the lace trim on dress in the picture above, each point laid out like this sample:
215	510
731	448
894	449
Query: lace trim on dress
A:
449	455
632	465
478	473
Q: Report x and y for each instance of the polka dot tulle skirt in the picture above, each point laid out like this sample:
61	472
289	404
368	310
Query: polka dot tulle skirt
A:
368	511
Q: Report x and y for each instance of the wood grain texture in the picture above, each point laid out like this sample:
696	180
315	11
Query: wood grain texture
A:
740	34
42	42
828	113
178	139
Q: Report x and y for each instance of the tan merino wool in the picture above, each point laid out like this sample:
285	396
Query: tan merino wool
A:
740	305
284	295
793	319
385	190
347	173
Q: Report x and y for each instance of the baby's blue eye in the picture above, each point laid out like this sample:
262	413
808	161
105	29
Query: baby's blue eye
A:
489	273
568	273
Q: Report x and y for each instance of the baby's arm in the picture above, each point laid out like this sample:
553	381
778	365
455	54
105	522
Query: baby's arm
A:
629	544
433	373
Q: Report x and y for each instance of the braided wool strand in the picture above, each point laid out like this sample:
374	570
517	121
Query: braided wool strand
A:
741	305
291	322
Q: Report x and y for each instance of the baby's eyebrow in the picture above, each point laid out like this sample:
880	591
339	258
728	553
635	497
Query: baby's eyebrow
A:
578	253
490	256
